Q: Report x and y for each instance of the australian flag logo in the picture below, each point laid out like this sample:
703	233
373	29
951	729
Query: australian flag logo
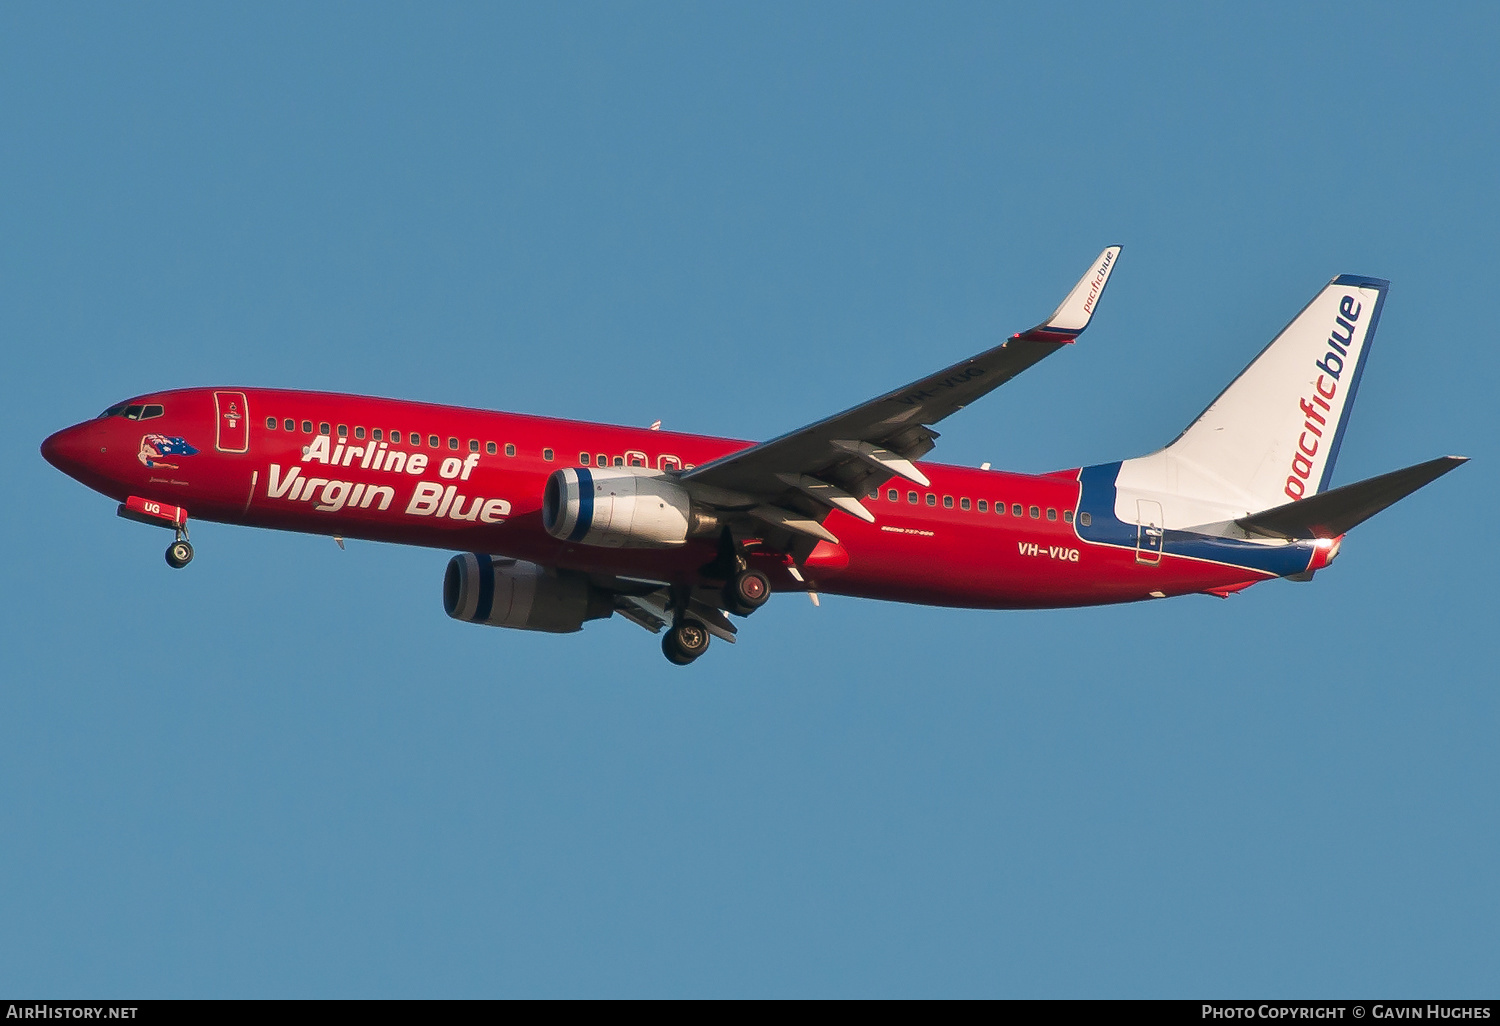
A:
154	447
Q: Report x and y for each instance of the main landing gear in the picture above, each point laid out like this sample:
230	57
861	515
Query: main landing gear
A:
746	592
745	589
684	641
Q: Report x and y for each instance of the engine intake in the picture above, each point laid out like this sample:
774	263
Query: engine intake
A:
621	507
514	593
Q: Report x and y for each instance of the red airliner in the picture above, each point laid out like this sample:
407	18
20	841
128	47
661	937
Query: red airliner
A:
559	522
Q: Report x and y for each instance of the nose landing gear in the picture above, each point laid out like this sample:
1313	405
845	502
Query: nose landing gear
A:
161	514
179	553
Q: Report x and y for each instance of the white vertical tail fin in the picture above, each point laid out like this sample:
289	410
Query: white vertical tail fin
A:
1272	436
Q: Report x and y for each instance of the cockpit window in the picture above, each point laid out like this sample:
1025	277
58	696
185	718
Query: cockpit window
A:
134	411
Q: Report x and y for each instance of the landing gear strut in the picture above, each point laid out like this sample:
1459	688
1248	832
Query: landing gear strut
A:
180	552
746	592
161	514
745	589
684	641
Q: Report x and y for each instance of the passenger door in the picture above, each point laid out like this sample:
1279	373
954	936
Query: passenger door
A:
1148	532
233	422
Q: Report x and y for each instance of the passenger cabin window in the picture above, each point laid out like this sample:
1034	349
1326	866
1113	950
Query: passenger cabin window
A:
359	432
489	447
377	434
602	460
1015	509
307	427
434	442
963	503
911	497
583	459
473	445
1085	519
510	449
343	430
453	444
893	494
984	506
636	461
619	461
1067	516
323	428
547	455
271	423
932	498
947	502
290	424
1035	513
1051	513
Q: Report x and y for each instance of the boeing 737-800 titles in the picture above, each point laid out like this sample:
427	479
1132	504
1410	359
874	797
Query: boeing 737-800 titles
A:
559	522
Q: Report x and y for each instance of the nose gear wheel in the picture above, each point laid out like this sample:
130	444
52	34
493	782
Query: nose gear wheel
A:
179	554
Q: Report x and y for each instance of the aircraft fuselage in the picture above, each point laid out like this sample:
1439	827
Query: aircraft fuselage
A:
472	480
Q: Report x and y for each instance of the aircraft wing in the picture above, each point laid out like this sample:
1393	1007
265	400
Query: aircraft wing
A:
791	483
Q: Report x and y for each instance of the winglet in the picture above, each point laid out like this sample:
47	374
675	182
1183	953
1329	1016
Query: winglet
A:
1068	320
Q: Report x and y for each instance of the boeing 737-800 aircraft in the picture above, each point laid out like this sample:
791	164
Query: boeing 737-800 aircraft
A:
559	522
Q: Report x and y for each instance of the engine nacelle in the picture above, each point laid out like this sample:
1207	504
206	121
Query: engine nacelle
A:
620	507
514	593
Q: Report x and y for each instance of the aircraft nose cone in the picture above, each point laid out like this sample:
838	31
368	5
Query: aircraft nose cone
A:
67	450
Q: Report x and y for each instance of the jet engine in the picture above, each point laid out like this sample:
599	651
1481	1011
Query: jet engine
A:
514	593
621	507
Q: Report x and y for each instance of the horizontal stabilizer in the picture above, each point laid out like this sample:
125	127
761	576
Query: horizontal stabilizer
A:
1332	513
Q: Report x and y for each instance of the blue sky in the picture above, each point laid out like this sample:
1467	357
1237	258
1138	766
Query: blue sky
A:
284	772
